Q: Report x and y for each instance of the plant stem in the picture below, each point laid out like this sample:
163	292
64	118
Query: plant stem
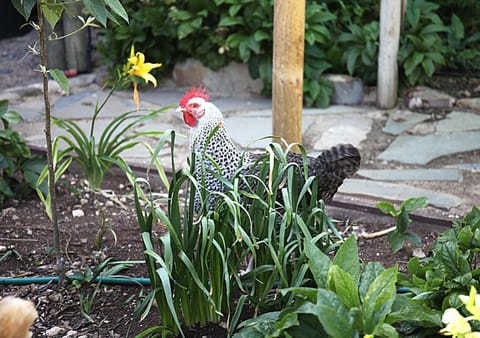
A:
48	138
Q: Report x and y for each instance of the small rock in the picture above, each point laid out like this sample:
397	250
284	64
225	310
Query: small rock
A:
3	248
54	331
425	97
15	218
470	103
419	253
346	89
84	240
83	201
78	213
71	333
121	186
109	204
29	232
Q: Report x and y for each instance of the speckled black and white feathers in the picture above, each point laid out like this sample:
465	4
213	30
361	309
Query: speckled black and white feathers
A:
216	155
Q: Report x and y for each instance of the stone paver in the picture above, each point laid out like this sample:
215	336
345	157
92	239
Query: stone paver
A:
423	149
459	121
398	192
412	174
402	120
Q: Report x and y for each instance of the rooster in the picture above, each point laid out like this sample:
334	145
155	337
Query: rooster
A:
214	150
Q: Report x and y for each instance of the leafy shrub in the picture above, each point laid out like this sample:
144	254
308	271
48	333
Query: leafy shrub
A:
346	300
422	48
340	37
452	267
19	170
463	52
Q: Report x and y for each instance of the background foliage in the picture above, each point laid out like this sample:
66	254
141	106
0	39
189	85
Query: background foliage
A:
340	37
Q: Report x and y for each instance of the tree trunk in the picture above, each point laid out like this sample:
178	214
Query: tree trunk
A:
387	79
287	81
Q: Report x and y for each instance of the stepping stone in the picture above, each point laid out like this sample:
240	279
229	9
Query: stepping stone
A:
423	149
339	129
400	121
398	192
459	121
467	166
412	174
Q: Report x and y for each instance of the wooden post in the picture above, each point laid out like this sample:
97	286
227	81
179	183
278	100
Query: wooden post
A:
387	79
287	80
76	46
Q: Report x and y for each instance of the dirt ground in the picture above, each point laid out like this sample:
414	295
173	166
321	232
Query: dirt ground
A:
26	234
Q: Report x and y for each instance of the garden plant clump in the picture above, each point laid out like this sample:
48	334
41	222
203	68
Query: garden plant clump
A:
264	261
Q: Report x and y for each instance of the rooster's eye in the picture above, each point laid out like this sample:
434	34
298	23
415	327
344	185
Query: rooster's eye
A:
194	105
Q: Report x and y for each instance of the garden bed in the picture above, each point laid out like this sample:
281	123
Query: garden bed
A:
27	230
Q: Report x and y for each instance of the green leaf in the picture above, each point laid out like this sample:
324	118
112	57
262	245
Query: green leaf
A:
117	8
369	274
414	239
97	9
347	258
457	27
403	221
413	204
387	208
332	315
24	7
379	299
53	13
344	286
396	240
230	21
61	79
318	262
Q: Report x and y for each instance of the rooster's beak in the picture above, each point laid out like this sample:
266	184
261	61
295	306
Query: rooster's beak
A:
180	110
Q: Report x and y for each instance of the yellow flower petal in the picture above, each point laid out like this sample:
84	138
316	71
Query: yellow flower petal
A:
136	97
456	324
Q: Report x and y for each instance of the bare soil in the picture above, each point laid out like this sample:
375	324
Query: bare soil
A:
26	233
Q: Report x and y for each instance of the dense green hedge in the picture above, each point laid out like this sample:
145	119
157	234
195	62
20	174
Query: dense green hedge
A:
340	37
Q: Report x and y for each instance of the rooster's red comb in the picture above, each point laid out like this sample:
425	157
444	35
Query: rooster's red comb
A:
193	92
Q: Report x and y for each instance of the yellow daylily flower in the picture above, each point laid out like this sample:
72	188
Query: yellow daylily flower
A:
472	303
136	66
457	325
140	68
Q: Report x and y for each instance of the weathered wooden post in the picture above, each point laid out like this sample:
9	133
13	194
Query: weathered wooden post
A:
287	80
76	46
387	78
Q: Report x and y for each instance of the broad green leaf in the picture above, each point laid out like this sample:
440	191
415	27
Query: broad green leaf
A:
344	286
413	204
53	13
369	274
403	221
117	7
379	299
230	21
347	258
98	9
451	259
24	7
407	309
61	79
387	208
332	314
3	107
319	264
414	239
396	240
